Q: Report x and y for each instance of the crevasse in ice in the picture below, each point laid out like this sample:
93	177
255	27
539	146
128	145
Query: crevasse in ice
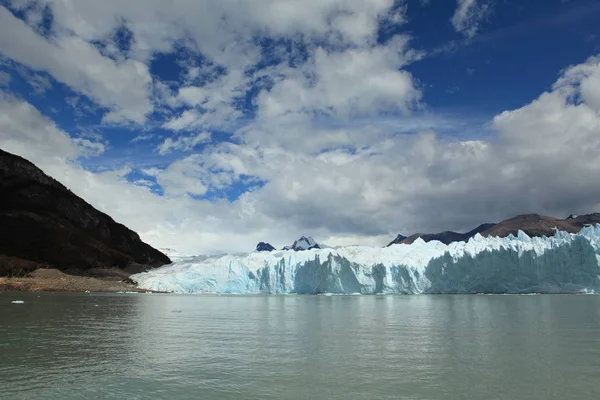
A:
561	263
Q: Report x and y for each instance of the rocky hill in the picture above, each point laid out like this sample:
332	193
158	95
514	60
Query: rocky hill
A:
42	223
539	225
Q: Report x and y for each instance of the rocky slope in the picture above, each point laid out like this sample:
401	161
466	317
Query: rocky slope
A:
44	223
539	225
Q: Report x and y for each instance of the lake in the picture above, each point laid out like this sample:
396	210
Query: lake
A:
151	346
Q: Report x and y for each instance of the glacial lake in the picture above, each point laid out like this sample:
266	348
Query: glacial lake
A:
151	346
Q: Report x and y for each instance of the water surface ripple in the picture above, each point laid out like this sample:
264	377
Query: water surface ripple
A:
73	346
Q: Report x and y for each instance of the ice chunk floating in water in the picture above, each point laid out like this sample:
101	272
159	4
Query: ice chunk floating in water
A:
561	263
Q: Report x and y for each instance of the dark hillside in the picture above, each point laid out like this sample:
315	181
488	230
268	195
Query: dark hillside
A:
44	223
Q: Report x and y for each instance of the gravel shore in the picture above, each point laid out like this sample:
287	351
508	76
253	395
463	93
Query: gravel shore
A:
52	280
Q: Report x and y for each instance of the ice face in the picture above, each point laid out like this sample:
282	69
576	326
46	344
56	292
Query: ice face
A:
561	263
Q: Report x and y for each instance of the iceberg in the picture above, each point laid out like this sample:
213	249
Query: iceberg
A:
563	263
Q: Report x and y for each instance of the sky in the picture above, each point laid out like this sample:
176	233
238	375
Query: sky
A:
208	126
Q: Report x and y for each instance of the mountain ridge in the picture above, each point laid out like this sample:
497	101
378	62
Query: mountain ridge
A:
534	225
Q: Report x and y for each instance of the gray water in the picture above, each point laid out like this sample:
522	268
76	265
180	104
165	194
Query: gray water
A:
77	346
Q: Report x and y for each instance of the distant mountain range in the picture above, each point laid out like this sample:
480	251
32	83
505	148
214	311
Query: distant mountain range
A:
42	223
446	237
532	224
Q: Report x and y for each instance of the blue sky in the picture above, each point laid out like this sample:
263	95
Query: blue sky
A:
347	120
521	48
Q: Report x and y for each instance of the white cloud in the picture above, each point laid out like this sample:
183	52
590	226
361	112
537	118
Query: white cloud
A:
183	177
144	182
355	81
318	156
583	79
212	104
468	16
121	87
187	119
155	23
123	84
164	95
183	143
543	159
224	33
24	130
142	137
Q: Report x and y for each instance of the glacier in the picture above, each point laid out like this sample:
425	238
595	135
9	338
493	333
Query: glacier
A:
563	263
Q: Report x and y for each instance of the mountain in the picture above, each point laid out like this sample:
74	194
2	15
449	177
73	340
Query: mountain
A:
304	243
532	224
262	246
538	225
44	223
446	237
398	239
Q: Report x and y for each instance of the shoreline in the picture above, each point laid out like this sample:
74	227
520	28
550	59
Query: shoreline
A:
52	280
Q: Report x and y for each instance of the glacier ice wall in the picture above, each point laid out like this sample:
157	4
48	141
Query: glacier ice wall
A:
516	264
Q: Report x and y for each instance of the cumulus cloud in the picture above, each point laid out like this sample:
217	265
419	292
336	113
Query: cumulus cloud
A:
582	80
25	131
356	81
122	83
468	16
543	158
123	87
298	159
157	24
